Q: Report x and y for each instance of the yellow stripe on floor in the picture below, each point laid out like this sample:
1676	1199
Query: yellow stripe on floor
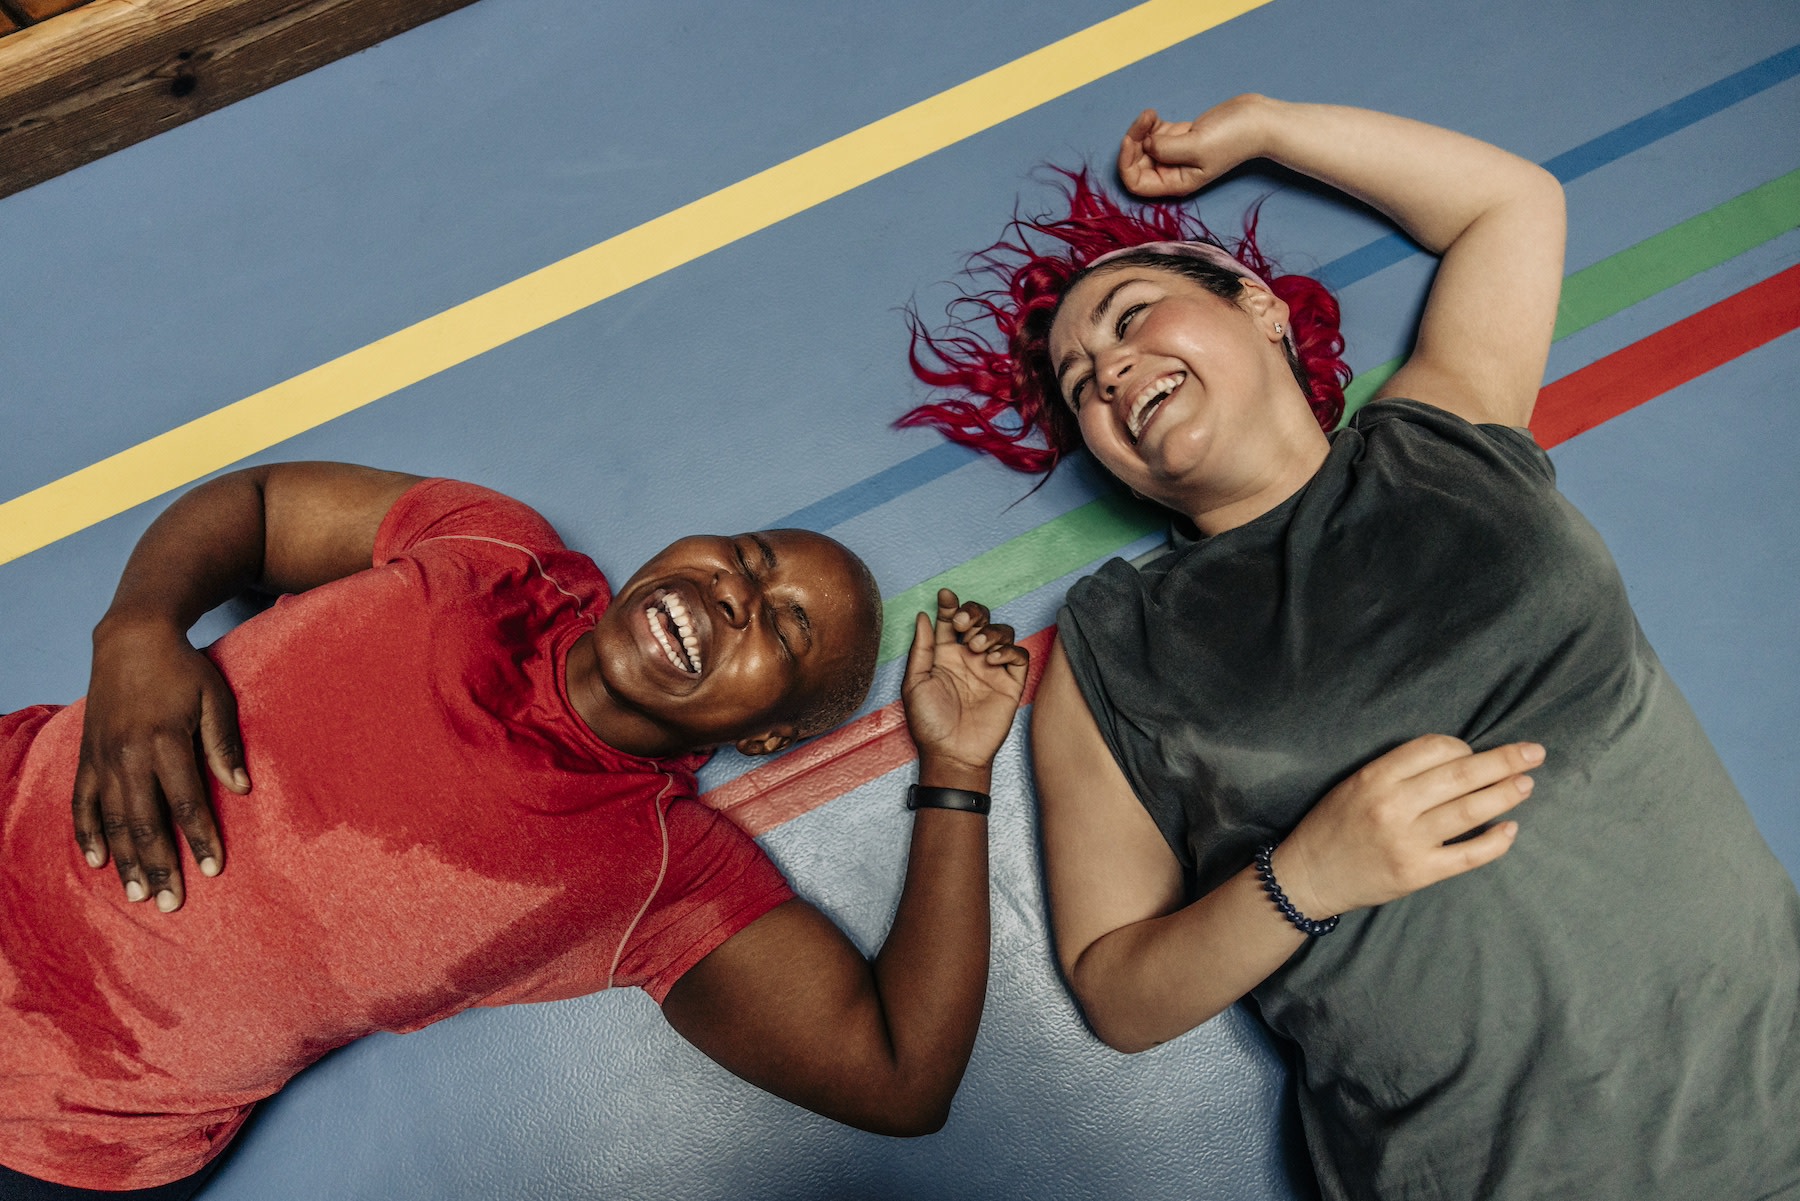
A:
206	444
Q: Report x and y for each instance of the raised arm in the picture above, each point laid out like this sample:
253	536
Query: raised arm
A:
1144	963
284	527
789	1003
1496	220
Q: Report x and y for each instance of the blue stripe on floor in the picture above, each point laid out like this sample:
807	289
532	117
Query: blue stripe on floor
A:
1609	147
1347	269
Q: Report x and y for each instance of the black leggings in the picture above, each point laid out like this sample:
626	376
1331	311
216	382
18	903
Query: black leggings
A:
16	1186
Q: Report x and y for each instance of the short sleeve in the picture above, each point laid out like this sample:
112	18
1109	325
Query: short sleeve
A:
1519	446
718	882
1512	450
439	508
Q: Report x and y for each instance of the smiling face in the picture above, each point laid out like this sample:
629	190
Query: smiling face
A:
738	639
1185	396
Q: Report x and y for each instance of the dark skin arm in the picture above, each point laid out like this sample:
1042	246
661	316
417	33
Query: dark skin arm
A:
152	697
789	1003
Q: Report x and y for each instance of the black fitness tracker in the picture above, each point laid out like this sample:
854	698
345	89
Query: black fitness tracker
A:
920	796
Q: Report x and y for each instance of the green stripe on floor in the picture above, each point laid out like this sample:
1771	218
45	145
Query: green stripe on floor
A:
1108	525
1617	282
1024	564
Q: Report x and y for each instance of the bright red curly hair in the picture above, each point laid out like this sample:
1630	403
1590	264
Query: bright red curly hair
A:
1003	399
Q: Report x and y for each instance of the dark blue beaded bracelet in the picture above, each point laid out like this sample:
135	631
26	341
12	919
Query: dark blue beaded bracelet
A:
1265	871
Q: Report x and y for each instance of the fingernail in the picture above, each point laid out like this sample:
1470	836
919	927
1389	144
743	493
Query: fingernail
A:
1532	752
1523	783
165	901
241	778
209	866
135	891
94	860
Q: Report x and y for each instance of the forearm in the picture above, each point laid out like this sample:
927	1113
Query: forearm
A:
204	549
1148	982
931	972
1433	182
791	1005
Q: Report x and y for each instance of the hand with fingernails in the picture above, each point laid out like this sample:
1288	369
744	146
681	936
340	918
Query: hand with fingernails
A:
964	678
1417	815
156	708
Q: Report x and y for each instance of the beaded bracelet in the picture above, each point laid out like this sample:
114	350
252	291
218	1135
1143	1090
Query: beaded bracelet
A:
1265	871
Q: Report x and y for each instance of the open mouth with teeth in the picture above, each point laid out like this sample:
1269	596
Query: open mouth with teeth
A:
673	629
1149	400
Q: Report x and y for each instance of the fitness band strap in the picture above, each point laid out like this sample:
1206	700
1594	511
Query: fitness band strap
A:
921	796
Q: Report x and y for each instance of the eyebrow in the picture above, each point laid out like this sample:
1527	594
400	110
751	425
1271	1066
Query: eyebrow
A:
1099	311
799	613
768	552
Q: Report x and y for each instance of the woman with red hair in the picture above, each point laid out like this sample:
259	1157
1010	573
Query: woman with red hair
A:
1578	982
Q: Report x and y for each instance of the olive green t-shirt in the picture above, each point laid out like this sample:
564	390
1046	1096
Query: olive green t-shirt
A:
1609	1010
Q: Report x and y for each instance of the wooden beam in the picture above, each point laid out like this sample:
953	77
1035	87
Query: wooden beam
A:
102	76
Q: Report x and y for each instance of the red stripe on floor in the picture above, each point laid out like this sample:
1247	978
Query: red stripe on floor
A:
1667	359
873	745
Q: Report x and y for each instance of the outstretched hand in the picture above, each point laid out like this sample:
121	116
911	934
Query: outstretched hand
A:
1173	158
964	678
155	708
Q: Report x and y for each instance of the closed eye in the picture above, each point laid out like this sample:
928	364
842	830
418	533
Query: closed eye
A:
1075	392
1125	318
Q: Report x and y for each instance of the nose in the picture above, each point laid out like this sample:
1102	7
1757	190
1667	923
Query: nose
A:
1111	368
734	597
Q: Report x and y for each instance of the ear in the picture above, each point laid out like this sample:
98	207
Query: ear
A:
766	743
1268	310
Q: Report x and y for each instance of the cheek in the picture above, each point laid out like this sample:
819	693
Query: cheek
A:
757	682
1098	430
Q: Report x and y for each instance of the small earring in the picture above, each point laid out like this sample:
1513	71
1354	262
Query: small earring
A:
1278	327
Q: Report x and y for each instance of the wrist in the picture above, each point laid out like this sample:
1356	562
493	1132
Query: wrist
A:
937	771
1271	119
1290	865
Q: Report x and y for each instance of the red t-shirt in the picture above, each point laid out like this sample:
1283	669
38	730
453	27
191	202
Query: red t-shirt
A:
432	826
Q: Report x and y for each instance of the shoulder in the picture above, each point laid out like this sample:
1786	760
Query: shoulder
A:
1103	621
1425	436
717	882
1114	582
442	524
439	509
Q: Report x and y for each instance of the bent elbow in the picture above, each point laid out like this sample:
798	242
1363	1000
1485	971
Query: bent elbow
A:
922	1124
1118	1036
1546	196
905	1117
1122	1023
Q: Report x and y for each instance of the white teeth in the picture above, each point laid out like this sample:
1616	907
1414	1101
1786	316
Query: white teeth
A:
666	607
1152	392
684	627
